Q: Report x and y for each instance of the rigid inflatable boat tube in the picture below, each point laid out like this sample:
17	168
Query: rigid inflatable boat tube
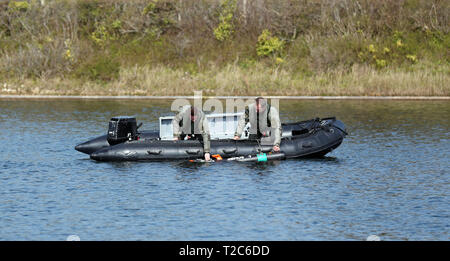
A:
101	142
302	139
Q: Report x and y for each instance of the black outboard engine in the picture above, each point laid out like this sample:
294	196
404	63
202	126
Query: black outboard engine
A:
121	129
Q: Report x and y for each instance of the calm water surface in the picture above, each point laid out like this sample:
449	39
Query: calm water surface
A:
390	178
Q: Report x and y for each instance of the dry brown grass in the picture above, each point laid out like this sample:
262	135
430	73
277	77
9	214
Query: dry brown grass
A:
257	80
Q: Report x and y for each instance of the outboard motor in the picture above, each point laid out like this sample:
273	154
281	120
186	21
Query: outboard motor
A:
121	129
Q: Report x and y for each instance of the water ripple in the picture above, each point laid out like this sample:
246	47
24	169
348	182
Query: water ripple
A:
390	178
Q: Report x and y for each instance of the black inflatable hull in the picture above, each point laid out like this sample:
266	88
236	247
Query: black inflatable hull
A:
303	139
101	142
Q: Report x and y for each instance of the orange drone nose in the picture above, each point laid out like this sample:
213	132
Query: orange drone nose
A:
217	156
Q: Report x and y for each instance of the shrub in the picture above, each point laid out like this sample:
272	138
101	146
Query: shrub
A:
19	6
225	28
149	8
380	63
411	58
101	36
268	44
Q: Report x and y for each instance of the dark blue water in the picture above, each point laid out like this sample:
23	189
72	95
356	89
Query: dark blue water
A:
390	178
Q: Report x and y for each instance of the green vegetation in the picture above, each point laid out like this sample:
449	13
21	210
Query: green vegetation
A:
268	44
225	47
225	28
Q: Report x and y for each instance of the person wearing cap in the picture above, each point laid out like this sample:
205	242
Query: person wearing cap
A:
263	120
191	123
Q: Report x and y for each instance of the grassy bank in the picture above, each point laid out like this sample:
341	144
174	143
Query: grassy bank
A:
228	47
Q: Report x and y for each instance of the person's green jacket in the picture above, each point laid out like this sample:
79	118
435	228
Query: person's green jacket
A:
270	123
200	126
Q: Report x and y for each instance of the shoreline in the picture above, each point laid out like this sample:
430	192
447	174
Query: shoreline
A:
125	97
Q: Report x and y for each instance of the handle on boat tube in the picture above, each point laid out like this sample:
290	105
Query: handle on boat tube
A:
229	151
193	152
154	152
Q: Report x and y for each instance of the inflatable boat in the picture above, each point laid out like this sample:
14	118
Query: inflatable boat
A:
124	141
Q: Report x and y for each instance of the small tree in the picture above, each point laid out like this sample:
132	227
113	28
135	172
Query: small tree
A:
268	44
225	28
